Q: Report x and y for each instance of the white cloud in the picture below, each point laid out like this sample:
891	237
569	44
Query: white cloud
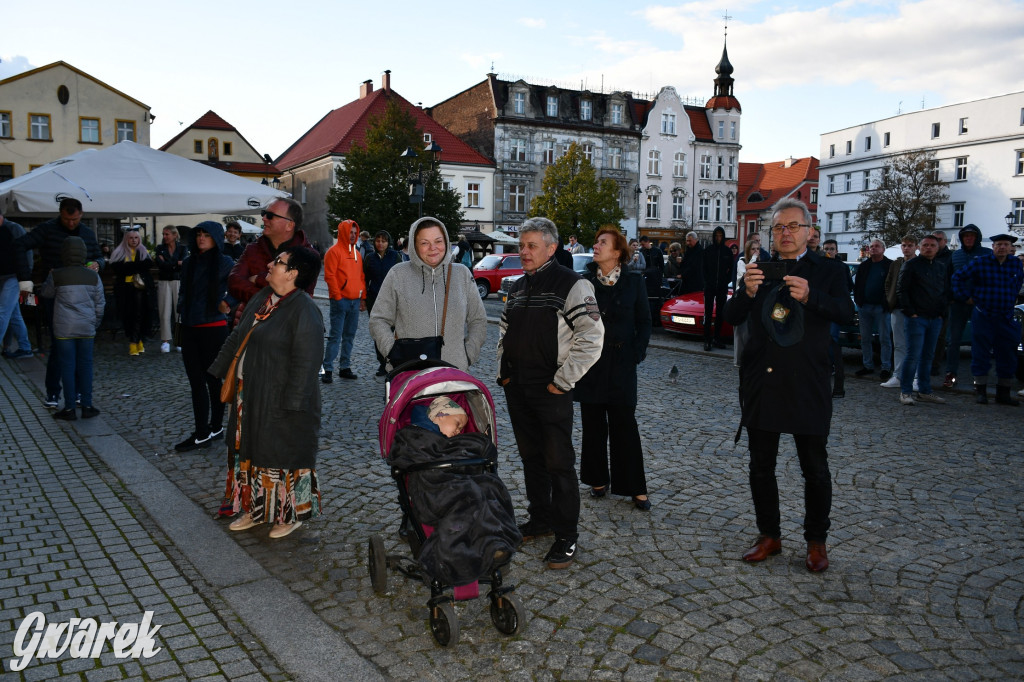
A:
12	66
531	22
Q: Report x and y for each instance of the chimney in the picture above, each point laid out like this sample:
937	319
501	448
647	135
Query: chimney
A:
385	81
789	162
365	89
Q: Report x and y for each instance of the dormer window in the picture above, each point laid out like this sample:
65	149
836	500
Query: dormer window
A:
519	102
617	113
552	105
586	110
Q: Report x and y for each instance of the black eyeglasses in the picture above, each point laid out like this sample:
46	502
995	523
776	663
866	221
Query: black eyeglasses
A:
269	214
791	228
286	264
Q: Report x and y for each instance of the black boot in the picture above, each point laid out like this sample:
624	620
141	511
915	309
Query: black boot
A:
1004	397
982	391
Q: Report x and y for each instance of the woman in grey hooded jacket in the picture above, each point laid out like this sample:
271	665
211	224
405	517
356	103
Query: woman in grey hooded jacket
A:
411	299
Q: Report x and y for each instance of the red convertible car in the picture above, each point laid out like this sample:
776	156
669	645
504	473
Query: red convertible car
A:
685	315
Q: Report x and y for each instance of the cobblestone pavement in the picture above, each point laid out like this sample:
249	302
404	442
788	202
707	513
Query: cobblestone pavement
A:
926	546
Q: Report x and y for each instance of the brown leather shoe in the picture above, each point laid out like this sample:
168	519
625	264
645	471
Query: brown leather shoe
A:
763	548
817	557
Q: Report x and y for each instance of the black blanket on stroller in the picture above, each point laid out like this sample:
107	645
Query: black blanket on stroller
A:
469	507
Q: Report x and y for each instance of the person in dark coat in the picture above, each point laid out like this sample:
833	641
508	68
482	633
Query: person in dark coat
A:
653	273
607	393
691	274
784	377
375	268
133	279
203	304
717	267
274	424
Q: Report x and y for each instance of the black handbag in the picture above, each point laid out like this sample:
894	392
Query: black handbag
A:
423	348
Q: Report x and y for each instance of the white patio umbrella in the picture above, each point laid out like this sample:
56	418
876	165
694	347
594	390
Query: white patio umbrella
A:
129	179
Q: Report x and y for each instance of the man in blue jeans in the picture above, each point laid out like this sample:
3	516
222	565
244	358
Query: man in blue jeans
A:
961	308
346	287
872	308
923	294
10	312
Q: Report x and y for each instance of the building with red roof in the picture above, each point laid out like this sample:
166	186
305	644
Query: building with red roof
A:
214	142
761	185
308	165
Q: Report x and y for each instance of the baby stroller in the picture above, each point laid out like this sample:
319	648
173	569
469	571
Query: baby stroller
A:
457	515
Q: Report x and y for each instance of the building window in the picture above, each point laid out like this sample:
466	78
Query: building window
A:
721	168
1018	211
586	110
828	221
867	143
704	209
961	168
831	184
126	131
831	151
721	130
678	207
718	210
963	125
814	195
549	151
519	102
668	124
472	195
732	130
654	162
89	130
302	193
39	126
617	113
213	149
932	171
517	149
885	139
846	221
1020	163
958	215
728	210
615	158
588	152
197	146
848	185
517	198
6	171
849	147
865	181
705	166
679	165
732	167
5	124
227	148
552	105
935	130
652	206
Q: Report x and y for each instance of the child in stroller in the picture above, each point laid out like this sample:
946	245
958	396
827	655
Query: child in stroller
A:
437	433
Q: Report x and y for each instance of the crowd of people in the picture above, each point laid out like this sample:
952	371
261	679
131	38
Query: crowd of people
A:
252	342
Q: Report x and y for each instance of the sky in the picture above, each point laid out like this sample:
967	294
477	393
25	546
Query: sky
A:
272	70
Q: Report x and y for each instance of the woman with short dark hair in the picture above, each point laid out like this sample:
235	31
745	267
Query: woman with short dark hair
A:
607	393
271	362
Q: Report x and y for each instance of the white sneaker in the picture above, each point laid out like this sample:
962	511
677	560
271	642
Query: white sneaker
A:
906	399
177	348
917	387
165	347
929	398
893	382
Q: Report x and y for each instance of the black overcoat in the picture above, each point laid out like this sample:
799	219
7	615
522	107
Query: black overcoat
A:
787	389
281	402
627	330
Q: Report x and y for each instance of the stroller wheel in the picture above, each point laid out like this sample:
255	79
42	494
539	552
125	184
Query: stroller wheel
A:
444	624
378	565
507	613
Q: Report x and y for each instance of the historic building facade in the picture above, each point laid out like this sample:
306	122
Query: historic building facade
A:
979	150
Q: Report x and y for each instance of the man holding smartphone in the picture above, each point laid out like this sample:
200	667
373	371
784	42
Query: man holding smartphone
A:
784	376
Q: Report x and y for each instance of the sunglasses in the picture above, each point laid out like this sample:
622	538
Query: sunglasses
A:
269	214
278	261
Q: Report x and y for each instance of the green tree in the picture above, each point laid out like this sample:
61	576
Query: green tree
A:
575	199
373	181
904	201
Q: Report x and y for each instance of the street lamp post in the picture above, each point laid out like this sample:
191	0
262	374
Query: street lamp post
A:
1009	218
637	191
417	189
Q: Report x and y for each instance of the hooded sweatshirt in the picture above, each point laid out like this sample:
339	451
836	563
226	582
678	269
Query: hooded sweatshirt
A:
411	305
343	267
204	279
77	293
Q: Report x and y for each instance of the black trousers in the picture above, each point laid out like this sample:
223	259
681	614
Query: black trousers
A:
714	300
542	424
133	304
811	450
199	348
615	424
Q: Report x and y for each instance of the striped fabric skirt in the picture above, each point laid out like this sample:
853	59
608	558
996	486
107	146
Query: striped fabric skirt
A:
267	494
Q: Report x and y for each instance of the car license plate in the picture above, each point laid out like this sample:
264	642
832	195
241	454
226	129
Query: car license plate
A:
684	319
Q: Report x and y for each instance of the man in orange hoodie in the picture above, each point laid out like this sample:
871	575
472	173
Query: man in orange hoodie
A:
346	286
